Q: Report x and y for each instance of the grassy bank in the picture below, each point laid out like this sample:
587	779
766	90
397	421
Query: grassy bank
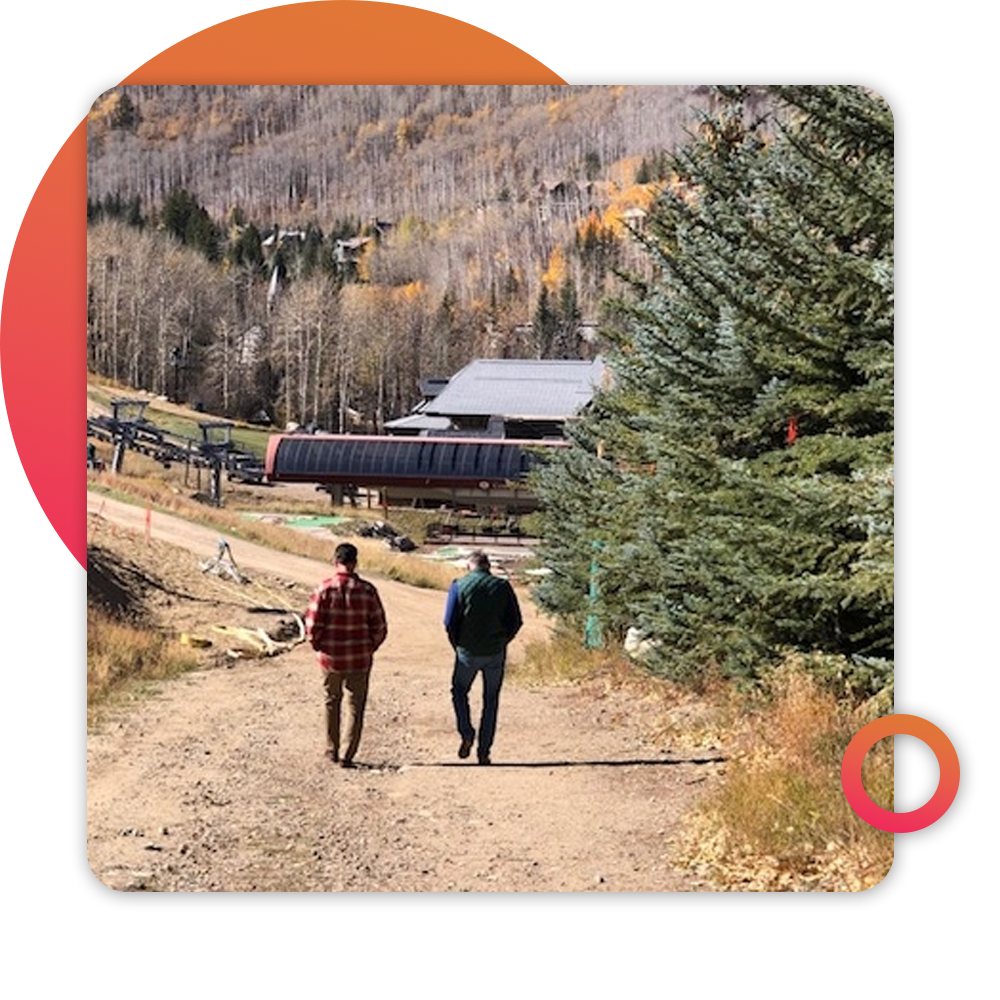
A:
780	820
121	658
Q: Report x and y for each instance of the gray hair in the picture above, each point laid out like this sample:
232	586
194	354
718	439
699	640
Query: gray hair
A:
479	560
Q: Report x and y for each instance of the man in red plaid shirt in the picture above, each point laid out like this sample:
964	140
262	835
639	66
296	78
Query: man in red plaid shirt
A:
345	624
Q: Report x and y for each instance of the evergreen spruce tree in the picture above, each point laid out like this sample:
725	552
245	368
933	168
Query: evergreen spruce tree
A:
133	214
738	477
312	251
126	115
567	322
182	216
544	324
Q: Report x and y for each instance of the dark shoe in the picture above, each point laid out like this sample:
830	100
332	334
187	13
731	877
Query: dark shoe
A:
485	760
348	763
332	755
466	747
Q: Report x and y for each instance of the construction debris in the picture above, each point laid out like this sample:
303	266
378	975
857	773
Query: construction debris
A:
224	564
255	643
194	641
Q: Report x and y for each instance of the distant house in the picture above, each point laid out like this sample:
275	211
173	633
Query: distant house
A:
278	237
634	218
566	190
522	399
568	199
349	251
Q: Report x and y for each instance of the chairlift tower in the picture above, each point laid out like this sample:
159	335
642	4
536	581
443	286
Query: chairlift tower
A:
216	445
127	415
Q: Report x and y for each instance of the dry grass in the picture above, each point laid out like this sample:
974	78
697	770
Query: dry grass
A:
683	717
172	417
122	657
780	820
561	660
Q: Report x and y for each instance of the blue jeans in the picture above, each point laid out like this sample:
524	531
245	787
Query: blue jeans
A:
466	668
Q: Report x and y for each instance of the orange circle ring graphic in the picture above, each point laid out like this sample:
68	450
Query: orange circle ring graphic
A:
884	819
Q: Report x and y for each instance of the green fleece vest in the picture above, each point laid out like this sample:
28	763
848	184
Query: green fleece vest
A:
484	599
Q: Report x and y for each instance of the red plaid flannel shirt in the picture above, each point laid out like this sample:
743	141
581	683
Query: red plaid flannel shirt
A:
345	623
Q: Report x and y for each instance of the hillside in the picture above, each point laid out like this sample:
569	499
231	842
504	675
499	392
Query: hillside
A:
313	252
295	155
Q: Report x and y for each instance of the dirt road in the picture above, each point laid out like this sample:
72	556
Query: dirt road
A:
218	781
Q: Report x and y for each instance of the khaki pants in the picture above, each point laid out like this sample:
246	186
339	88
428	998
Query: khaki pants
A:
356	683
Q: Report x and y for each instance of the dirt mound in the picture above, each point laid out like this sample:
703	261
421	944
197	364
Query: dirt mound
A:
116	586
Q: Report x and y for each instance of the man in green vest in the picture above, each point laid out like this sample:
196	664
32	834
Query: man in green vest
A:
481	617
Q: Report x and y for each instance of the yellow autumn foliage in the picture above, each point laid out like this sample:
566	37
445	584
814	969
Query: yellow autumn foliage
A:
624	200
410	230
404	134
411	292
621	173
555	273
591	228
559	110
104	106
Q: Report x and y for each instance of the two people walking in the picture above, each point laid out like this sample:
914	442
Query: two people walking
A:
346	624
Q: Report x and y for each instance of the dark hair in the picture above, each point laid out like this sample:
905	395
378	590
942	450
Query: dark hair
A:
346	554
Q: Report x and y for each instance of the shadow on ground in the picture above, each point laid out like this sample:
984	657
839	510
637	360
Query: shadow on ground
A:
639	762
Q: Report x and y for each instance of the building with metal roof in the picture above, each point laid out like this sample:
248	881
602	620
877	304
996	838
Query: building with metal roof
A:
506	397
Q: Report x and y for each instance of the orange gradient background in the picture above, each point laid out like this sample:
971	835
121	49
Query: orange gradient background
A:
43	321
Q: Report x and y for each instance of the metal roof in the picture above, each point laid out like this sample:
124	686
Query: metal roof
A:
519	389
419	422
389	461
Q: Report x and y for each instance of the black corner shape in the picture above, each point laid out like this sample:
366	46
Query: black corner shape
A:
93	90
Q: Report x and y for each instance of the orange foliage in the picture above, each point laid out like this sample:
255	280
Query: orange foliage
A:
104	106
591	229
172	128
411	292
559	111
556	272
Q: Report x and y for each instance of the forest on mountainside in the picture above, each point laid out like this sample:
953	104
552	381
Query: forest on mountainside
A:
312	253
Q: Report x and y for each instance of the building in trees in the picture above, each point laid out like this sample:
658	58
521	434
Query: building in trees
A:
523	399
